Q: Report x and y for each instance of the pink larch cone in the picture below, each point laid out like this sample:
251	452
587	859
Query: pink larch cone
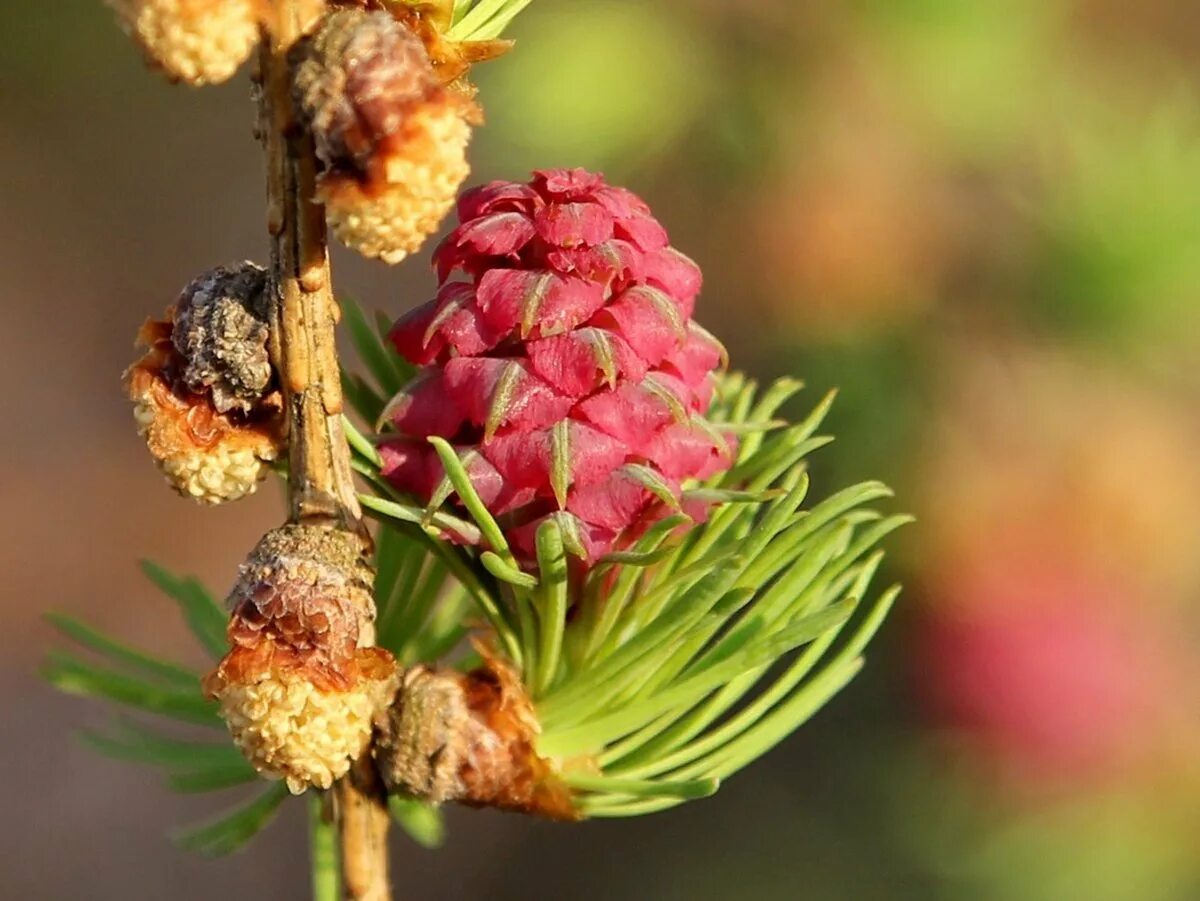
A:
561	360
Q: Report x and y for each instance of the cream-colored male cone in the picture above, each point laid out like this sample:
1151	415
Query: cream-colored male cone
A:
194	41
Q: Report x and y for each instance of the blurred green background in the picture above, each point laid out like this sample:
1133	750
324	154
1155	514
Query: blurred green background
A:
979	218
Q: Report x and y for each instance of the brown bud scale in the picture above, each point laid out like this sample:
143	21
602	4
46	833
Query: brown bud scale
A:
451	60
355	80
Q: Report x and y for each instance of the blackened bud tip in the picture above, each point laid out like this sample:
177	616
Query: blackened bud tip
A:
221	332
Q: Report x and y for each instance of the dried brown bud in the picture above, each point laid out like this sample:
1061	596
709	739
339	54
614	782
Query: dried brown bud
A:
221	333
469	737
194	41
392	138
205	454
301	685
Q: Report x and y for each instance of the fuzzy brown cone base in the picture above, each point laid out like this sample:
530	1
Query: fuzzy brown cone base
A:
451	60
470	738
305	591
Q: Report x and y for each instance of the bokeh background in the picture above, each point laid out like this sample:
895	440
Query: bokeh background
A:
979	218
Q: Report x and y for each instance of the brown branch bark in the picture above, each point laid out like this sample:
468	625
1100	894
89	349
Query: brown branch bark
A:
303	319
360	808
304	311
